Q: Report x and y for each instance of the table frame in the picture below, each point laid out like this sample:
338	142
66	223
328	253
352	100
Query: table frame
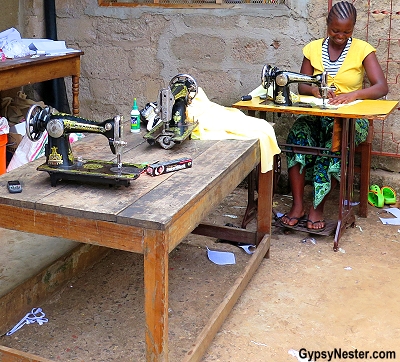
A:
139	227
344	116
18	72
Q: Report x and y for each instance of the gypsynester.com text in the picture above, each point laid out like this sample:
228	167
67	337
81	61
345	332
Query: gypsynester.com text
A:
339	354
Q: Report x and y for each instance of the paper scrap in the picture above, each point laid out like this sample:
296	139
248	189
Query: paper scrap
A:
319	102
249	249
221	257
392	221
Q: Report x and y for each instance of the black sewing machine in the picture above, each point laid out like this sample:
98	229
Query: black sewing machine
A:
280	80
169	113
60	162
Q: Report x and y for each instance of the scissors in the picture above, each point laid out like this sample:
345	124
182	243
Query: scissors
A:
36	315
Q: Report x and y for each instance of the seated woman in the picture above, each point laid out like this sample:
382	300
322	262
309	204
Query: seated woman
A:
346	60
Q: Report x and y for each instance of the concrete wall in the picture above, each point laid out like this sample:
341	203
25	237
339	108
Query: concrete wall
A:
133	52
9	14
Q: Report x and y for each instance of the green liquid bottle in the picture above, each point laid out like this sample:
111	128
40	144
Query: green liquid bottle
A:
135	118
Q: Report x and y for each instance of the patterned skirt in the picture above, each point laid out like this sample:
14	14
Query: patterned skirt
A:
315	131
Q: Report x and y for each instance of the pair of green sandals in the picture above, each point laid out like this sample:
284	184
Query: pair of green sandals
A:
381	196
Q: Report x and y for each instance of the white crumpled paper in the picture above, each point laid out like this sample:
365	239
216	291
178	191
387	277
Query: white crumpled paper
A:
4	127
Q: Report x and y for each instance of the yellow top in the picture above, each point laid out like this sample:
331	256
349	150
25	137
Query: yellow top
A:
351	74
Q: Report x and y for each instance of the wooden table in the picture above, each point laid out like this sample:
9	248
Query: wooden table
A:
22	71
346	116
151	216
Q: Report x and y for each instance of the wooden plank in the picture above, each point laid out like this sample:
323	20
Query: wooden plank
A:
156	296
179	212
226	233
221	313
13	355
84	230
94	201
264	203
102	202
185	188
18	72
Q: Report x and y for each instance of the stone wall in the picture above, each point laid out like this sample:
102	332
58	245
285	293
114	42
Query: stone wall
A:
133	52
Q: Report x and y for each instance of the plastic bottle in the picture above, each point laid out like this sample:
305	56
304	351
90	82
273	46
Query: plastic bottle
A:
135	118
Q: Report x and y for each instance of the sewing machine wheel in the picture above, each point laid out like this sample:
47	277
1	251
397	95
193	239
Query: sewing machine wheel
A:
189	82
267	75
165	142
35	121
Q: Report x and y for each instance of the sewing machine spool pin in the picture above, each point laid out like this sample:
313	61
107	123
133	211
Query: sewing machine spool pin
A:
324	90
60	162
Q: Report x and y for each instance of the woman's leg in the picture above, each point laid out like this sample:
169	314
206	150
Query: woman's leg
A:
302	133
316	219
297	182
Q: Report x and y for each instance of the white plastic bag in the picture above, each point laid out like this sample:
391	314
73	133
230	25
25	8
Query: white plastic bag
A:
27	151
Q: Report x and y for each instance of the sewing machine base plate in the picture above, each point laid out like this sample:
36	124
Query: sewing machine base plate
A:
94	171
173	134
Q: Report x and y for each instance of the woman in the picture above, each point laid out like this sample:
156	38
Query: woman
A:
346	60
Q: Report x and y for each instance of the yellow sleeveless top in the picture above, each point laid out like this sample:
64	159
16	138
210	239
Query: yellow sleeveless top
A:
351	74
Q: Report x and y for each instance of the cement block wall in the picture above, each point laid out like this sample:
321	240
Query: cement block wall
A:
134	52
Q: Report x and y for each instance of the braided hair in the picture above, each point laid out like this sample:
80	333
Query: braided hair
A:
342	10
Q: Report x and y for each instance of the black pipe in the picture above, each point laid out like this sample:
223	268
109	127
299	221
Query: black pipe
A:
54	92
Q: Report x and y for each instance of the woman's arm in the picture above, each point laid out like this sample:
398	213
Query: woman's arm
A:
378	84
304	88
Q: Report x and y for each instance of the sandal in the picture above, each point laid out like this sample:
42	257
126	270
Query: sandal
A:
313	230
389	195
375	196
298	220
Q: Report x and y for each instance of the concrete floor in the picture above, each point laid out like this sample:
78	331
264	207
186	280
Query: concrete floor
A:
24	255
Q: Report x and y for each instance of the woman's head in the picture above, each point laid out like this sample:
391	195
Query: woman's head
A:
340	22
342	10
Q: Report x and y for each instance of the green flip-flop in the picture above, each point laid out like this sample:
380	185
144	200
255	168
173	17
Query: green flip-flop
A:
389	195
375	196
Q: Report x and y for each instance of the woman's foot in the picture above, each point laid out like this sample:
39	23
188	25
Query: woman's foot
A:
293	217
316	220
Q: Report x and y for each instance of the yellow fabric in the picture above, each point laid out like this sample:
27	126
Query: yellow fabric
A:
351	74
218	122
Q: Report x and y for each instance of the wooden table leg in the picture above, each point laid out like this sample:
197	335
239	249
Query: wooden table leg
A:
156	296
75	95
346	213
251	209
264	204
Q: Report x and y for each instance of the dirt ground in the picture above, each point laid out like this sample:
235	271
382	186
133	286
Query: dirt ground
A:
304	297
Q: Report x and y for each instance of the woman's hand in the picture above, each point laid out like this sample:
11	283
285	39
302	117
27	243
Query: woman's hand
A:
342	98
315	92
